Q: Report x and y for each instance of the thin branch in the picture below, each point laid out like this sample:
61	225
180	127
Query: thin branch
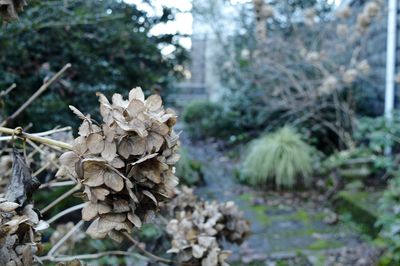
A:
19	133
62	197
42	134
57	184
64	238
8	90
62	258
147	253
65	212
36	94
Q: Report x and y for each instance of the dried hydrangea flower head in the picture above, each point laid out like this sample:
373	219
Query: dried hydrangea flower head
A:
19	222
126	164
10	8
199	226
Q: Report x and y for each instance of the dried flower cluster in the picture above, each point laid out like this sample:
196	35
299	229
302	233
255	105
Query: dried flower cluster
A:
344	13
370	11
70	243
19	222
200	225
262	11
19	239
10	8
309	16
125	164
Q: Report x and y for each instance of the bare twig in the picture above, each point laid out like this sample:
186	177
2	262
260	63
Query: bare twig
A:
41	134
88	256
65	212
8	90
36	94
57	184
147	253
62	197
19	133
64	238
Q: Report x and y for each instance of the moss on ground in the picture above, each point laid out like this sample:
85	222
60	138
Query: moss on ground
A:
362	206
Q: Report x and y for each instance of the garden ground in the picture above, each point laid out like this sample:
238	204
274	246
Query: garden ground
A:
296	228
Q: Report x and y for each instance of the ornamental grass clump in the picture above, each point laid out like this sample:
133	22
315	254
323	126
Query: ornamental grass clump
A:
125	164
281	159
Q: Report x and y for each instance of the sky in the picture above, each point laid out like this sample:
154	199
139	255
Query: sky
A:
183	20
182	23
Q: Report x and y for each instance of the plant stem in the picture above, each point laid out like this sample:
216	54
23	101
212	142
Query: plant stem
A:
36	94
62	258
50	142
42	134
65	212
147	253
63	196
8	90
65	238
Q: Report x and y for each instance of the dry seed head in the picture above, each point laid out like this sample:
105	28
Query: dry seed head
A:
342	30
313	57
266	12
20	237
198	226
397	78
309	15
350	76
9	9
344	13
125	163
328	85
364	67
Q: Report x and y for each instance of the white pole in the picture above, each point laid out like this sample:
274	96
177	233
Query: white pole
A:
390	58
390	62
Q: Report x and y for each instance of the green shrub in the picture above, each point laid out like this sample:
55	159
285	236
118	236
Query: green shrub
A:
207	119
356	163
376	133
389	219
189	171
280	159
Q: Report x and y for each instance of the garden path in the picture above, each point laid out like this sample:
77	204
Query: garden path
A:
282	224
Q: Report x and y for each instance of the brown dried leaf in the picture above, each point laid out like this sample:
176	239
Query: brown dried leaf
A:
120	206
93	174
136	94
150	195
77	112
135	220
113	181
99	193
154	102
95	143
135	107
118	100
89	212
110	151
145	158
103	208
69	159
154	142
173	159
8	206
159	128
94	230
117	163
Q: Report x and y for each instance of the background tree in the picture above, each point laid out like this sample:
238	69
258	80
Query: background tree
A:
107	42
